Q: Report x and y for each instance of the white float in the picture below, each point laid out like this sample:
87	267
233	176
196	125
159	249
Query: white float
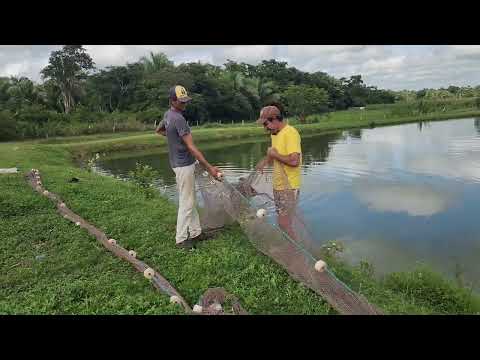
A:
220	176
132	253
112	241
320	266
45	192
62	204
261	213
217	307
175	299
149	273
197	309
77	223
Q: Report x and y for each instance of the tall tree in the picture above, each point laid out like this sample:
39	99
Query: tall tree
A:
67	68
303	100
242	68
156	62
22	91
261	90
4	86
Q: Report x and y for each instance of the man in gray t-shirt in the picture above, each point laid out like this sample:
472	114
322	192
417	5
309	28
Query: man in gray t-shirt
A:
176	127
182	153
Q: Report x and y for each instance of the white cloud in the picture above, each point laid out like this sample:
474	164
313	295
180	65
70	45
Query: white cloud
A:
395	67
316	50
110	55
388	65
465	50
15	68
249	54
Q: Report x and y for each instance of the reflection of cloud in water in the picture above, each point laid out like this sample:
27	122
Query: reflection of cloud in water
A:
385	256
319	187
467	168
443	149
392	135
416	200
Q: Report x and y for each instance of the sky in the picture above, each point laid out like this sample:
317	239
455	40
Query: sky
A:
394	67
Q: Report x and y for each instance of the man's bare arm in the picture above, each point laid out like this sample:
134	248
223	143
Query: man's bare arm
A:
267	160
292	159
188	140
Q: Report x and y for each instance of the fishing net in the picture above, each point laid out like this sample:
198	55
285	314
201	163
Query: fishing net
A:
212	213
274	224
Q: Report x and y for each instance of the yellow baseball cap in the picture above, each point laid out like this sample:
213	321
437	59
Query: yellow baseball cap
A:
179	93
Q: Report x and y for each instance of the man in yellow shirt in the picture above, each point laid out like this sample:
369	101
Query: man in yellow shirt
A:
286	156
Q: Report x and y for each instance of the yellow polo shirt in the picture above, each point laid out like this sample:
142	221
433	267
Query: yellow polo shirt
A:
287	141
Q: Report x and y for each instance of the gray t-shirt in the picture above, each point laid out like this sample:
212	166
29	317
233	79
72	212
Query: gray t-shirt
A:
176	126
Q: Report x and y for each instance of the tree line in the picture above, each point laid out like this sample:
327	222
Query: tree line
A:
76	97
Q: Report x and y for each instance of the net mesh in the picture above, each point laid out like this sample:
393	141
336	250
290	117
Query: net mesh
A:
273	223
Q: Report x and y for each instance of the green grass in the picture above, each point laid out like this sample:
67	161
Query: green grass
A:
79	276
84	145
377	117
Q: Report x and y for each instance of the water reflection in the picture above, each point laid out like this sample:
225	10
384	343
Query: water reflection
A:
395	195
422	124
414	199
355	133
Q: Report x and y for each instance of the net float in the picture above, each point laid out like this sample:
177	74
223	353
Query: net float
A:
261	213
320	266
175	299
149	273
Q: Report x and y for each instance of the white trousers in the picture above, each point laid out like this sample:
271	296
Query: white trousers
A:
188	220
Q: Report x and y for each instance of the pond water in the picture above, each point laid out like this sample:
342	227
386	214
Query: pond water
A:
395	196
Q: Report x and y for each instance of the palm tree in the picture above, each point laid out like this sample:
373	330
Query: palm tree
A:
155	62
22	90
260	91
257	90
234	78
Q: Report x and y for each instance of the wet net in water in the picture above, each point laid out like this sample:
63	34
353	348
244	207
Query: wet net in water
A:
274	225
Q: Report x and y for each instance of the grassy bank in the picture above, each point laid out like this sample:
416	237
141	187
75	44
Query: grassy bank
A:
83	145
49	266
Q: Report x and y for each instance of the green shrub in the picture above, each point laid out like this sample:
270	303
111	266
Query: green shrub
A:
151	115
144	176
8	129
